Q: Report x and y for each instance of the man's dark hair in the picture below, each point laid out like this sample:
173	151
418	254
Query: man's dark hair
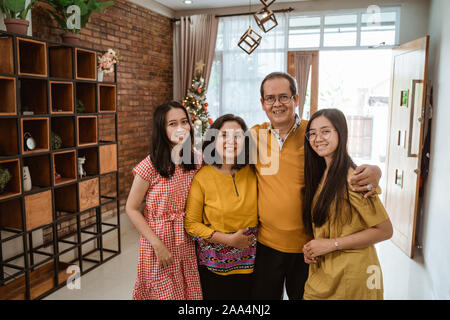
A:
278	75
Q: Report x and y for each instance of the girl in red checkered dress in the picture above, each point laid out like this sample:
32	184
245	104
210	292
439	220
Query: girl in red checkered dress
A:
167	264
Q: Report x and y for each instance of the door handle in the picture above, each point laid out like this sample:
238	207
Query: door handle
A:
412	113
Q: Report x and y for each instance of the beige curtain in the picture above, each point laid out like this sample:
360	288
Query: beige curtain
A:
195	41
302	63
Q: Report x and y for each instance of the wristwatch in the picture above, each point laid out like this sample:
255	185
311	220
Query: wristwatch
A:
336	244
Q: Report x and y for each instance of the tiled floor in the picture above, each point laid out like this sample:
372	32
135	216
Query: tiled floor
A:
403	278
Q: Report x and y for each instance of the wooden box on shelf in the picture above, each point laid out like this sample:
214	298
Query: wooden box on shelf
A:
8	137
11	214
14	186
66	198
8	105
87	130
64	167
6	52
38	128
33	96
86	94
60	60
31	57
85	64
88	193
90	165
39	167
38	212
61	97
108	158
64	127
106	98
41	281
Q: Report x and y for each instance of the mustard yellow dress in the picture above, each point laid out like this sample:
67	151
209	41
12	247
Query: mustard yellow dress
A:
348	274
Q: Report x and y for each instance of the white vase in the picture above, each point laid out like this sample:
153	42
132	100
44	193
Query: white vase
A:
27	185
100	76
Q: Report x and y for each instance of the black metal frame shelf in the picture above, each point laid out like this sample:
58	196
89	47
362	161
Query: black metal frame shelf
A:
50	251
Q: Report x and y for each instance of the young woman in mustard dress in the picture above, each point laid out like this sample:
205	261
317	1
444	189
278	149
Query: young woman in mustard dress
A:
345	225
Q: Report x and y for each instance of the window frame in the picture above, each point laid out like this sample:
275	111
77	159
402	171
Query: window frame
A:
359	13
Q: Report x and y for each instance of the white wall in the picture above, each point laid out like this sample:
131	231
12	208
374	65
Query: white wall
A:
156	7
414	13
436	218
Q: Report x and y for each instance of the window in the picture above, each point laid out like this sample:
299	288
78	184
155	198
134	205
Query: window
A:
357	29
236	76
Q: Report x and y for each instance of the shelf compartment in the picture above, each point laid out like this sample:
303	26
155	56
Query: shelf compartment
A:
87	130
91	163
108	158
8	105
32	57
88	194
66	198
106	98
64	163
86	93
14	186
39	130
6	52
61	97
33	96
11	214
64	127
41	281
39	167
85	64
8	134
38	212
60	59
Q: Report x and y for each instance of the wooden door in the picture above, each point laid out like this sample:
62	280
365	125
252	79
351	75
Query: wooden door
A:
404	150
314	78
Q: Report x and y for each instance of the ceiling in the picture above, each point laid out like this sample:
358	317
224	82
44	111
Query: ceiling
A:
178	5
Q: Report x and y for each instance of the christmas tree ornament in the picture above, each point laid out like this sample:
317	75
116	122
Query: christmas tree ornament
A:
266	20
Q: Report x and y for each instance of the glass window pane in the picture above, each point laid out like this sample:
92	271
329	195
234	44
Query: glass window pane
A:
376	29
304	32
340	31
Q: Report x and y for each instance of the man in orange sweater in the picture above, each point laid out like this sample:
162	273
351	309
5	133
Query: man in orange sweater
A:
280	174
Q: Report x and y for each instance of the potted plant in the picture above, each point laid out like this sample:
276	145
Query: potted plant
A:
106	63
5	177
64	17
15	12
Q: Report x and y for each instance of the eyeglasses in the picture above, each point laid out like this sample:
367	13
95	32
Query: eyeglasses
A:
284	99
324	133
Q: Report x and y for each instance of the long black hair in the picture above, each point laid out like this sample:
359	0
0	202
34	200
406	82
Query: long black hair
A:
160	151
210	154
335	187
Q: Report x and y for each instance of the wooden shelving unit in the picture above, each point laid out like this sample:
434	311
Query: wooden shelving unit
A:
47	79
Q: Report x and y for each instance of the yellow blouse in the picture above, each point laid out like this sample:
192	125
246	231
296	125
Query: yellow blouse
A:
348	274
222	202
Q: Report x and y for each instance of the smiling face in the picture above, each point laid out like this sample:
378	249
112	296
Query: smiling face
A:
230	141
323	137
177	126
280	115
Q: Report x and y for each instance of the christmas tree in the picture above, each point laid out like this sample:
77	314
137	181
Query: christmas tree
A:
195	101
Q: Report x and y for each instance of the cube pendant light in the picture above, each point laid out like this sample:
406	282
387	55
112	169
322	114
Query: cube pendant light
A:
266	20
249	41
267	2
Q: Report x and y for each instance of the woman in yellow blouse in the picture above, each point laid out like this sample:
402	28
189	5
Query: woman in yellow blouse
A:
345	225
221	212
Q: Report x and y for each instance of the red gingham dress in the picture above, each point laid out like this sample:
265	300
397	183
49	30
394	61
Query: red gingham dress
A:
164	212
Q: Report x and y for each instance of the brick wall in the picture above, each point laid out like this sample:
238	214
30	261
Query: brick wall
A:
143	39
